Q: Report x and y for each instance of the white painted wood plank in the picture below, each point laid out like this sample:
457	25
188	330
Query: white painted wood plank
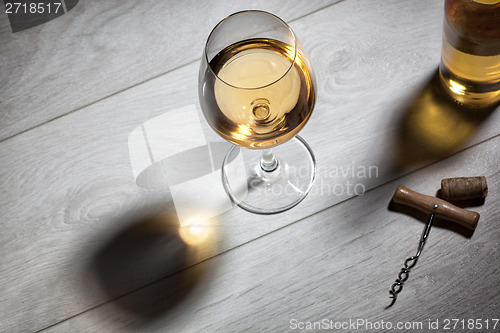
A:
336	266
71	189
102	47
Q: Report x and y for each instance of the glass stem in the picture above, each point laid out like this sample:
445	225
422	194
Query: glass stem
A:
268	161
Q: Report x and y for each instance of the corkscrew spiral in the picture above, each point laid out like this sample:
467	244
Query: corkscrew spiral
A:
410	262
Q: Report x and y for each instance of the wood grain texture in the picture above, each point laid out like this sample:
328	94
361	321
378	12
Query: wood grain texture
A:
336	265
73	216
100	48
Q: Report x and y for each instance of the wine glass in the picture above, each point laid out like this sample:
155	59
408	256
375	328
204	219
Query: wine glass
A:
257	91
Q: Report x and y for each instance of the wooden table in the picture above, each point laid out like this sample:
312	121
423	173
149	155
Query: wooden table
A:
87	248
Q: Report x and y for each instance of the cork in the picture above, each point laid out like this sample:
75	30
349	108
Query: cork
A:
464	188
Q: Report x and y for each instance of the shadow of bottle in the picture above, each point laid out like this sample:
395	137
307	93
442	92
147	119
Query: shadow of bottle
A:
434	125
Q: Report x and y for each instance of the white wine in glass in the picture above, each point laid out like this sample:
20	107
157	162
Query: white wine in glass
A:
244	107
257	91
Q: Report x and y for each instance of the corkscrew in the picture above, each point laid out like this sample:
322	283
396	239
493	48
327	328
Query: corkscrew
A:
437	208
410	262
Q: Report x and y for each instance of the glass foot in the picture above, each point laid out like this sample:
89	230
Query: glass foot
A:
271	181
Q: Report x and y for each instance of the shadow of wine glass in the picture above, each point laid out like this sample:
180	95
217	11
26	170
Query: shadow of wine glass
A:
434	125
152	265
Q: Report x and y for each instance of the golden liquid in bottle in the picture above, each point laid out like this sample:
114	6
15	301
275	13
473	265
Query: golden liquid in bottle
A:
261	97
470	61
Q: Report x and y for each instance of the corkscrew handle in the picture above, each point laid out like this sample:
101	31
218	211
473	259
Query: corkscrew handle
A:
444	210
